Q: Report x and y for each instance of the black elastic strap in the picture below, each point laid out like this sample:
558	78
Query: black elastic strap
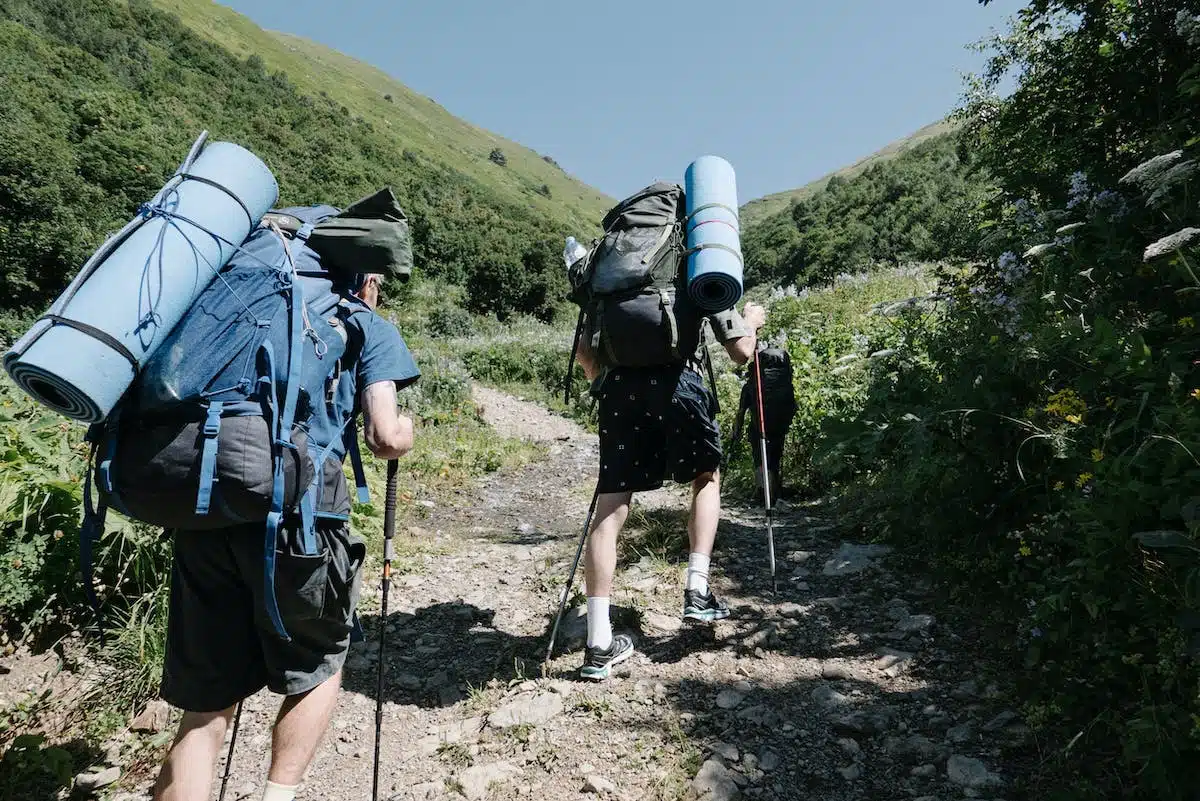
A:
96	333
216	185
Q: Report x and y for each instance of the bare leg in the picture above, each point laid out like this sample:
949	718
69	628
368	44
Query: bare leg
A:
299	728
187	772
706	512
601	559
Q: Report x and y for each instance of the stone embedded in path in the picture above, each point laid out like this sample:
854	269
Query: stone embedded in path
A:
729	699
534	709
599	785
853	558
714	783
1000	721
829	697
915	624
667	623
791	609
768	760
154	718
851	773
893	662
970	773
960	734
91	782
836	671
727	751
477	781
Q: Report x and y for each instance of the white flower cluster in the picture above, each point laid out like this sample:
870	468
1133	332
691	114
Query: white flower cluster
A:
1187	25
855	279
781	292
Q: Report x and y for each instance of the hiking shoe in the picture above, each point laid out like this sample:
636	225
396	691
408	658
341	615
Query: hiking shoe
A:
598	665
705	608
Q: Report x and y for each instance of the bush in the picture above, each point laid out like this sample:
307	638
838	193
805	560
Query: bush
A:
449	321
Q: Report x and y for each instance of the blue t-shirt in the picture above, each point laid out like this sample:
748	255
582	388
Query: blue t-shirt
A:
375	352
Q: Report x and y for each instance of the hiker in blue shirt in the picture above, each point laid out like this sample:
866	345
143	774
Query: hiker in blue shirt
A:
221	645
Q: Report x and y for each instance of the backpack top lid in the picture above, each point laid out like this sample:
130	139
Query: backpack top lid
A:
370	236
773	358
651	206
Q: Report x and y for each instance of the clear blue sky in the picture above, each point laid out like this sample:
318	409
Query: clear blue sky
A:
786	90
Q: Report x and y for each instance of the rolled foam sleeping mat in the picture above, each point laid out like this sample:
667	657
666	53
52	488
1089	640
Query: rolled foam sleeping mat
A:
714	271
83	353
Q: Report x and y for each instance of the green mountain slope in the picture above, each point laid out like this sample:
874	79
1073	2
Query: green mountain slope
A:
760	209
920	204
417	122
103	98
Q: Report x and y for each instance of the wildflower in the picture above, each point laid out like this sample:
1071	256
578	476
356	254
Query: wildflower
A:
1149	170
1188	26
1083	479
1059	486
1025	550
1170	244
58	534
1186	322
1073	418
1097	455
1079	190
1035	632
1038	251
1196	394
1167	181
1065	403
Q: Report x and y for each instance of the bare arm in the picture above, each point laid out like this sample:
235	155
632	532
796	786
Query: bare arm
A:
388	433
586	358
742	348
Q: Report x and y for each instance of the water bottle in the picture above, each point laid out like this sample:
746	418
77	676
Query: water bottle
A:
573	252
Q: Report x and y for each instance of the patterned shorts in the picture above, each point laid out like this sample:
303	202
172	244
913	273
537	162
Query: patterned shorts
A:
656	423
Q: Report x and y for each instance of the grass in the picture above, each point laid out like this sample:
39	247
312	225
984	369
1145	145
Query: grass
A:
419	122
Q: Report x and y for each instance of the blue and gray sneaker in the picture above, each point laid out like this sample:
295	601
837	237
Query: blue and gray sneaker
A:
704	608
598	665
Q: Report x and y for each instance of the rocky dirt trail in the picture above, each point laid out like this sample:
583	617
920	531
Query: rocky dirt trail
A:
844	685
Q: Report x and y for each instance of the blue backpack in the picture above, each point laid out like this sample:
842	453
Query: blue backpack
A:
215	430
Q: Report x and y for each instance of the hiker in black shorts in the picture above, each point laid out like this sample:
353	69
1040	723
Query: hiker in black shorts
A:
221	646
657	423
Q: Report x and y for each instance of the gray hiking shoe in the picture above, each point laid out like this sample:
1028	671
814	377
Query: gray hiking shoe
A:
598	665
704	608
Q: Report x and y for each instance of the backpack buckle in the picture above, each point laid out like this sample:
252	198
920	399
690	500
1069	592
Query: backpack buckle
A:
212	422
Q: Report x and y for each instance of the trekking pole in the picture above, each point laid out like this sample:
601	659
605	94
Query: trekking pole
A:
766	472
562	602
237	719
389	530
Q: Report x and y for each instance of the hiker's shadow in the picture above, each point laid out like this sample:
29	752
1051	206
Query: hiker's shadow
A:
435	657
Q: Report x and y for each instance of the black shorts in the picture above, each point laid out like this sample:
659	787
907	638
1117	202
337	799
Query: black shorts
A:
221	645
656	424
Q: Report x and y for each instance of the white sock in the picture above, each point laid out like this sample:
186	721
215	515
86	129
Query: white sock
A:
599	626
279	792
697	572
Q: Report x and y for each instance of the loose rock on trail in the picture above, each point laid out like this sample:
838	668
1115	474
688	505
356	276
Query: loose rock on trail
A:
846	685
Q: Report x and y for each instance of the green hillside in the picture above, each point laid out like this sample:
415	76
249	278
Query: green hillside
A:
920	204
417	122
103	98
761	208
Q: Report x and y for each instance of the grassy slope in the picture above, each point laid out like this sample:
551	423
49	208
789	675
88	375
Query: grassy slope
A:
760	209
419	123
